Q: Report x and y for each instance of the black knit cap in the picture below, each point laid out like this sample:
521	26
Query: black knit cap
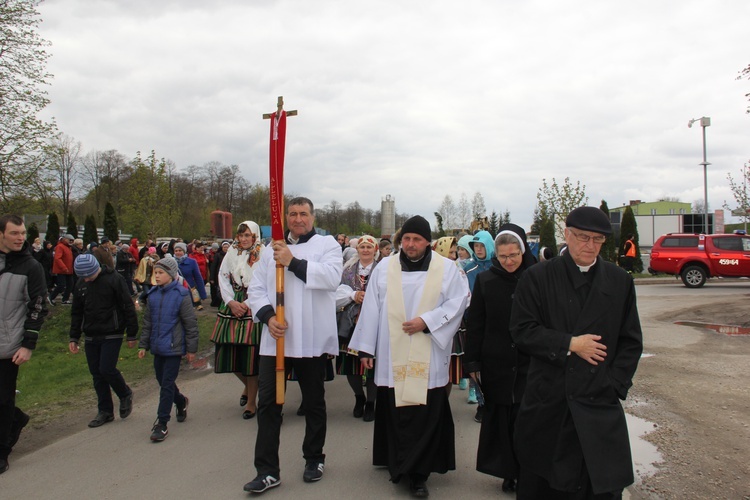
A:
589	219
417	225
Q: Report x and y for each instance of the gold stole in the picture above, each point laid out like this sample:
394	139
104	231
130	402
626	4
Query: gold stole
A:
410	354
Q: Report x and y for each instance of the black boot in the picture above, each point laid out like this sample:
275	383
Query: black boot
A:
369	412
509	485
359	406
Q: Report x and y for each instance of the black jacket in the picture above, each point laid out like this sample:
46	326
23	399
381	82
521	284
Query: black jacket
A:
102	308
213	269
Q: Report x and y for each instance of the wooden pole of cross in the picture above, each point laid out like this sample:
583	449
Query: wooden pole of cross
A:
276	171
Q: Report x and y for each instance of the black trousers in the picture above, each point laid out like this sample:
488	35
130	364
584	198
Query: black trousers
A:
9	414
63	284
310	373
102	355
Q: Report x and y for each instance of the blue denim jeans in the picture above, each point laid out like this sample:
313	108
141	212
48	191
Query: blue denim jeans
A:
167	368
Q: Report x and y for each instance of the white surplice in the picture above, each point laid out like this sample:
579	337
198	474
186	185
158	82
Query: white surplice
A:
310	307
372	335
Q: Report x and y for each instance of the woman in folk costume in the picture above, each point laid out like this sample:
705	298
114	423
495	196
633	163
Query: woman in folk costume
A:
492	357
349	297
236	337
447	247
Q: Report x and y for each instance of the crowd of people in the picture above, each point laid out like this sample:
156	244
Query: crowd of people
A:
547	349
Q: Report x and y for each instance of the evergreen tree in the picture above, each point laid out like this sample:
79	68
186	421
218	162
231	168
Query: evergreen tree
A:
72	225
547	234
440	231
609	249
505	218
89	230
53	228
536	223
544	226
494	224
32	233
629	226
110	223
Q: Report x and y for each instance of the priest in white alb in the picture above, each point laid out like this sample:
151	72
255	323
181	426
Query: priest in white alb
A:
412	309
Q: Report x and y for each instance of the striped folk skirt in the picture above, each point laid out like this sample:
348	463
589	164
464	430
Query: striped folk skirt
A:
237	341
456	369
347	362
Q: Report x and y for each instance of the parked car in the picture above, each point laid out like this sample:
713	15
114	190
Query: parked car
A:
697	257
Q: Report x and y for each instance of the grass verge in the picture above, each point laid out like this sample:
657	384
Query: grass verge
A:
55	381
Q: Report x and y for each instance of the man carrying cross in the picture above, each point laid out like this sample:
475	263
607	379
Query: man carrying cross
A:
412	309
312	268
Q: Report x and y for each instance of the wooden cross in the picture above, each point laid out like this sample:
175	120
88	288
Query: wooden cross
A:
280	108
276	192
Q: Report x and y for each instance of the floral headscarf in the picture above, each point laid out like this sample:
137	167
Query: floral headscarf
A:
244	260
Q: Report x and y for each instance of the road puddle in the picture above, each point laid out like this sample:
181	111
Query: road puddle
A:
645	455
725	329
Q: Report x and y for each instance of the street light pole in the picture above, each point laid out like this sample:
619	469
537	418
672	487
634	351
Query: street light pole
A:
705	122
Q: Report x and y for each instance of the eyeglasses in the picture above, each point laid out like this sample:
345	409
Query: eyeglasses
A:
506	258
585	238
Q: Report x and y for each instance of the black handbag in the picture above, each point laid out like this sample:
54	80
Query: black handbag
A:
346	320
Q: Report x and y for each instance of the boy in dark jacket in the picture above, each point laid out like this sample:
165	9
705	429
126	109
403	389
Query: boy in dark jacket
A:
102	310
170	331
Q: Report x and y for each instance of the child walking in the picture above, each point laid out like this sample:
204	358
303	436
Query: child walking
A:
170	331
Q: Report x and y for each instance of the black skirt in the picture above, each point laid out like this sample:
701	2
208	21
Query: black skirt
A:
496	454
414	439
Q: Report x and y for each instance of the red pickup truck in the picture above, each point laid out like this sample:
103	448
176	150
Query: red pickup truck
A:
697	257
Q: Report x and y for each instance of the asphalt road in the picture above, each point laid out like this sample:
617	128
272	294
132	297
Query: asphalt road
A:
211	454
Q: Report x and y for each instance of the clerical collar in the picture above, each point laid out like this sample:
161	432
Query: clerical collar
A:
422	264
302	239
585	269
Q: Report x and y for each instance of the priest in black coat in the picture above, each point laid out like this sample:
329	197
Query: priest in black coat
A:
576	317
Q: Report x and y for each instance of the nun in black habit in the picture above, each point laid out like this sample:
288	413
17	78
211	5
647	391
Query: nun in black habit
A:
491	356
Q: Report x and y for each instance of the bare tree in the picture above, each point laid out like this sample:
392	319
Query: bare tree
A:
741	197
556	201
231	175
447	210
699	207
478	209
100	174
334	213
745	74
64	162
463	212
353	216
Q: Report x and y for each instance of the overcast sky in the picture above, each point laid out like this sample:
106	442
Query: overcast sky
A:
417	99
